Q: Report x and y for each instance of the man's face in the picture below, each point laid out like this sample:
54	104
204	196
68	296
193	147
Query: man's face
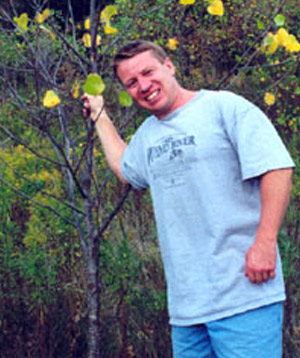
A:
150	83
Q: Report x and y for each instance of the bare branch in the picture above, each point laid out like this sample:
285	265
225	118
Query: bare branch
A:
117	208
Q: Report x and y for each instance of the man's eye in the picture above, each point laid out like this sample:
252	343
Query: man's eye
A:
131	84
148	72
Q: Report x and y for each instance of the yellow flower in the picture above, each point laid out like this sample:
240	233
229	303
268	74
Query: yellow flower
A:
269	98
41	17
216	8
187	2
51	99
173	44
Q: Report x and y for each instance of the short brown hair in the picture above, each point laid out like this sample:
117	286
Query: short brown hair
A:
134	48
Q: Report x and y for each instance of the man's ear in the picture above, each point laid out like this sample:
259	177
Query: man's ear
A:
169	64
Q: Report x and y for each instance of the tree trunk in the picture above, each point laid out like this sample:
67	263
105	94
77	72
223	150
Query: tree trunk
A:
93	301
92	253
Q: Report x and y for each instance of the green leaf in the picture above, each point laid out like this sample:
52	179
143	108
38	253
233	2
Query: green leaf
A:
124	99
268	40
297	91
238	58
279	20
94	85
260	25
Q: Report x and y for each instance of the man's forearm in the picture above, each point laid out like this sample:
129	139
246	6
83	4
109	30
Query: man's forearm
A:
113	145
275	190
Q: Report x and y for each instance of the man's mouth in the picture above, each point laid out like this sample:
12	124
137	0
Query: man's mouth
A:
152	96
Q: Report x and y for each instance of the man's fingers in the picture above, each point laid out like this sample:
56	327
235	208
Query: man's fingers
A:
259	277
86	110
265	276
272	274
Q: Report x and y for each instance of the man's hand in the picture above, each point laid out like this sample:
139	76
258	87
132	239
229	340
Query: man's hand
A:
261	262
93	106
275	187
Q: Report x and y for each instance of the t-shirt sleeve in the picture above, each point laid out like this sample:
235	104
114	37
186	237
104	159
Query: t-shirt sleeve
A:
257	143
133	165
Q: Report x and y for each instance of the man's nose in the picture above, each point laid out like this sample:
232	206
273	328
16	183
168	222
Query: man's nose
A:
144	84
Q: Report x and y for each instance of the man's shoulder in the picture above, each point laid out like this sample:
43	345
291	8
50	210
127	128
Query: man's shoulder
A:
220	96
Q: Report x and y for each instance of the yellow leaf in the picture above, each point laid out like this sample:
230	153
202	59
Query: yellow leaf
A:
270	44
98	40
106	15
87	40
48	32
292	44
87	24
22	22
282	36
108	12
172	44
76	89
51	99
41	17
216	8
109	30
46	13
269	98
187	2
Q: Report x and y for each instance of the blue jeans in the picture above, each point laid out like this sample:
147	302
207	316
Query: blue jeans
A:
252	334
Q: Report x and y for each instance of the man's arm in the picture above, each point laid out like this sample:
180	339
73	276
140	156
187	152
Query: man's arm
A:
113	145
275	190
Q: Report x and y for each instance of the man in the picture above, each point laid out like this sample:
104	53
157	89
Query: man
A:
220	180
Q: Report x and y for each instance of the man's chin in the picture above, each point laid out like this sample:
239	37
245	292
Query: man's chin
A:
153	108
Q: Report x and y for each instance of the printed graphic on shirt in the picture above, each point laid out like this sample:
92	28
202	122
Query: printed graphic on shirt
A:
170	159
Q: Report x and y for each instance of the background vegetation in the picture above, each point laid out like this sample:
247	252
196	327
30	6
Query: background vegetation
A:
70	244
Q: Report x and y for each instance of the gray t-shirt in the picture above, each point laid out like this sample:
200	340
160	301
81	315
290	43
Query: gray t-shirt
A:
202	163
